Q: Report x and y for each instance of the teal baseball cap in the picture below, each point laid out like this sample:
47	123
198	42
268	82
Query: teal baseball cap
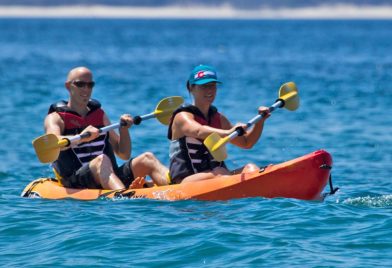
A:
203	74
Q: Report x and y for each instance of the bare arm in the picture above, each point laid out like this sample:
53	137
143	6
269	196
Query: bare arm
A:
121	143
54	124
184	124
252	135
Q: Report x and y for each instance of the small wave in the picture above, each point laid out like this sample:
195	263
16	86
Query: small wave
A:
384	201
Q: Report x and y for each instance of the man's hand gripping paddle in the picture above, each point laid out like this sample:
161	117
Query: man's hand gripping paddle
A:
288	98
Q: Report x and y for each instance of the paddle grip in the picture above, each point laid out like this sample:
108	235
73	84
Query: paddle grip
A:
240	131
280	103
137	120
85	135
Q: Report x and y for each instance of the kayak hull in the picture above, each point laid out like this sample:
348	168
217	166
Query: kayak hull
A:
302	178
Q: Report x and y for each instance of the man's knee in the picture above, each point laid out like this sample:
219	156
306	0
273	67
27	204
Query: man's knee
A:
100	161
148	158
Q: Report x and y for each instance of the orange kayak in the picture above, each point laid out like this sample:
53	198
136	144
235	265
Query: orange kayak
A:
303	178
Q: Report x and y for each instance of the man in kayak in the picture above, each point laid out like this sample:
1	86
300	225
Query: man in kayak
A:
190	160
91	162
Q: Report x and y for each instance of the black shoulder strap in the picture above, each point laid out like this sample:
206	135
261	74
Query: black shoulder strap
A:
61	106
93	105
193	110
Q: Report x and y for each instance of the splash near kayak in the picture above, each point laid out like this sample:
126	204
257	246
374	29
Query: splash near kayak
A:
303	178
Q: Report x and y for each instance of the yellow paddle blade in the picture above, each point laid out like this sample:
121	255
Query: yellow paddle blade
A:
47	148
166	107
214	144
288	92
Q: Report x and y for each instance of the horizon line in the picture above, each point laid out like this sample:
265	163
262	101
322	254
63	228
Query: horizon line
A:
197	12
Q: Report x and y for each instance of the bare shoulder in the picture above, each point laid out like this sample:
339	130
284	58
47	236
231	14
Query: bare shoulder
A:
183	118
184	124
53	118
53	123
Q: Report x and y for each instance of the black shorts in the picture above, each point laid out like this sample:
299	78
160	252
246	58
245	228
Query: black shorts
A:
179	169
83	178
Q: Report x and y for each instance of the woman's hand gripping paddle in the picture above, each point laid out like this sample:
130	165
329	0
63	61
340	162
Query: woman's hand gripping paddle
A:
47	147
288	98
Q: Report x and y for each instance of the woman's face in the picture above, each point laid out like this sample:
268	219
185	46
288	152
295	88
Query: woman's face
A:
204	94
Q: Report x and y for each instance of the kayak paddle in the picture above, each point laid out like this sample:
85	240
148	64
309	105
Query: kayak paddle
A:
47	147
288	98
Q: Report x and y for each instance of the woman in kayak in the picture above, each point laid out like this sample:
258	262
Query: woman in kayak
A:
191	124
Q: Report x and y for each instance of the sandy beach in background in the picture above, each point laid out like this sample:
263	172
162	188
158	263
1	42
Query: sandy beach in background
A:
222	12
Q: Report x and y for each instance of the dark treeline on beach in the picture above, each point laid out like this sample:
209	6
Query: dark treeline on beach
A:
242	4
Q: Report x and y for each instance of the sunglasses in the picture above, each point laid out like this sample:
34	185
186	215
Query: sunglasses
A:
208	86
82	84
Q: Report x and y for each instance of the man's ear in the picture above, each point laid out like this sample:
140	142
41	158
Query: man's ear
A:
67	85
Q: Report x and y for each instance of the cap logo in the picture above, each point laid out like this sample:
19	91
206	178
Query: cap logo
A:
202	74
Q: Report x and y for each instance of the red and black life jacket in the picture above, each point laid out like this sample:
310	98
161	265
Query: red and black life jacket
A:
73	158
189	155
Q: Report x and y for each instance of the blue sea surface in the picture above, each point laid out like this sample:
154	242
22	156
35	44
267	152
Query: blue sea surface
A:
343	70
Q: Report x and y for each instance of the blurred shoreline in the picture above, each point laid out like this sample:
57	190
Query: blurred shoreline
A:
198	12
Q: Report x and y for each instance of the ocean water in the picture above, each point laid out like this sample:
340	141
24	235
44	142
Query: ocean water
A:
343	70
